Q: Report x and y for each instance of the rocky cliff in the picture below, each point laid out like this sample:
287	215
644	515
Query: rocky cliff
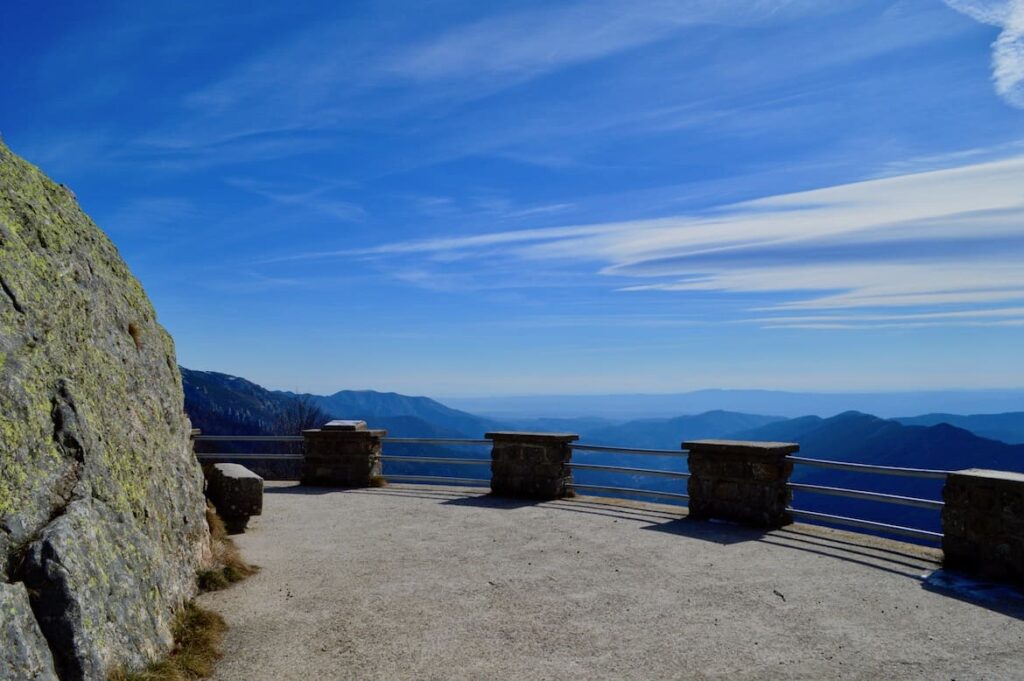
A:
101	508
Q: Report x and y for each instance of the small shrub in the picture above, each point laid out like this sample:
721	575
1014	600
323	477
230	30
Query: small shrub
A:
197	632
197	637
212	580
230	567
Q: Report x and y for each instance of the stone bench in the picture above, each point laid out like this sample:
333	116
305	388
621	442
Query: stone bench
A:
236	493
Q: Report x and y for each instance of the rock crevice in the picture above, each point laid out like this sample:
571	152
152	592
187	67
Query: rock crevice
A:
10	294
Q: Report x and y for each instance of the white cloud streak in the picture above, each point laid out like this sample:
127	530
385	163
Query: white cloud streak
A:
936	241
1008	48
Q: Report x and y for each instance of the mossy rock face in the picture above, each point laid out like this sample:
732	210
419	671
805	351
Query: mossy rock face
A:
91	418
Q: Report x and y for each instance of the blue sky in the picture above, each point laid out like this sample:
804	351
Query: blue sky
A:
484	198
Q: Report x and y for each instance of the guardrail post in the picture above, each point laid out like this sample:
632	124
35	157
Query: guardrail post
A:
743	482
342	454
983	523
532	465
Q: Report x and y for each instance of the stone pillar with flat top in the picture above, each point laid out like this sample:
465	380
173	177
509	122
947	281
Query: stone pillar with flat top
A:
342	454
983	523
744	482
531	465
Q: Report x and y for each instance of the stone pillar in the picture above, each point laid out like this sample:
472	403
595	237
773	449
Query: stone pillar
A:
983	523
531	465
342	454
744	482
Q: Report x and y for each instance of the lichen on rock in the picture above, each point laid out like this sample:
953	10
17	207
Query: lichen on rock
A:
100	494
24	654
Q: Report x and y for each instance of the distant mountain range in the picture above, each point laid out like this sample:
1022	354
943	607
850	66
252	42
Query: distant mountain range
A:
1008	427
670	433
219	404
223	404
782	403
402	415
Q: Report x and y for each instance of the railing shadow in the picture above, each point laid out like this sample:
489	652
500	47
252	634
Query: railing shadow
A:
618	511
907	560
304	490
792	530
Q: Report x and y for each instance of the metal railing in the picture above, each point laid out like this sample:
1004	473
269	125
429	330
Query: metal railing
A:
248	438
446	460
869	468
802	514
677	453
248	456
629	470
860	523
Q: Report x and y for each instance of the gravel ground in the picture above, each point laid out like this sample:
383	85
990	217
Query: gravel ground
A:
415	582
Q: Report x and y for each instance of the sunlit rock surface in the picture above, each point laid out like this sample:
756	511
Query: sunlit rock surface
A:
101	504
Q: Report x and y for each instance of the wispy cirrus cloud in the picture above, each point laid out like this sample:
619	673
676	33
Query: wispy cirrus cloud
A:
1008	48
947	243
316	198
531	42
339	73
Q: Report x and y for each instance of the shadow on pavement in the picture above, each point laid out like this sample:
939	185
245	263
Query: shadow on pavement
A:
713	531
305	490
1002	598
489	501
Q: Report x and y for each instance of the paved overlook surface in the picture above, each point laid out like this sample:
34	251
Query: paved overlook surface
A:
416	582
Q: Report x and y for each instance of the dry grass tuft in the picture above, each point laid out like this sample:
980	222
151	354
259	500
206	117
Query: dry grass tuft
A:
230	567
197	632
197	637
136	333
378	481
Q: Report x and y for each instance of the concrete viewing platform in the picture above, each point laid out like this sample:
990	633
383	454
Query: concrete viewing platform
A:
424	582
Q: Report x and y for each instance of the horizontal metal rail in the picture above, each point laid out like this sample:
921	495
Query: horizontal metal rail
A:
475	482
248	456
629	490
622	469
437	459
628	450
871	496
866	524
868	468
433	441
248	438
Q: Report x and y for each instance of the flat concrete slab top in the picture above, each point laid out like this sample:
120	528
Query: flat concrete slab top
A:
421	582
345	424
532	437
234	470
1000	476
744	446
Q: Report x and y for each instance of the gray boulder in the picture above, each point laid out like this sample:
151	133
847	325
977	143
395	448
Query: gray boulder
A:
24	654
101	503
